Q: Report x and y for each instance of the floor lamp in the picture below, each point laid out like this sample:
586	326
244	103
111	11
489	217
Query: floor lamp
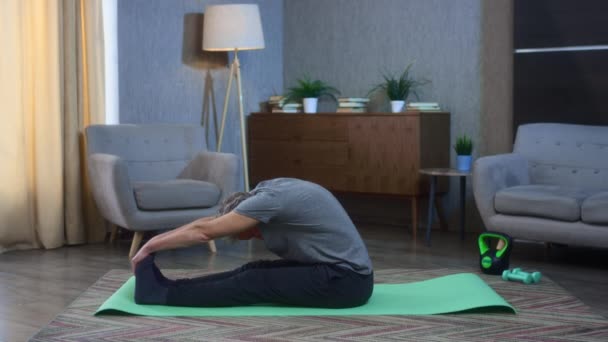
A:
235	28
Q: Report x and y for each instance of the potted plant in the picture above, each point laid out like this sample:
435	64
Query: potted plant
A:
464	148
398	88
309	91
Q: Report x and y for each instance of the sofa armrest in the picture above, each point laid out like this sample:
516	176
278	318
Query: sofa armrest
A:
494	173
111	187
222	169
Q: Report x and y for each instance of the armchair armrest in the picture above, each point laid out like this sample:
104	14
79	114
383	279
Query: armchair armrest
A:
494	173
222	169
111	187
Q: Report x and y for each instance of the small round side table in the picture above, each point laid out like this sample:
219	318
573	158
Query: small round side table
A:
444	172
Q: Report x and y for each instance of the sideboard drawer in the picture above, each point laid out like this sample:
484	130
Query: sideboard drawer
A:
300	153
297	127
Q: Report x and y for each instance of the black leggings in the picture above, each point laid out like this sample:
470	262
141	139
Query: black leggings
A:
277	281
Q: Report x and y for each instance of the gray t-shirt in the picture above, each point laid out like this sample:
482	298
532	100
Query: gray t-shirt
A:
304	222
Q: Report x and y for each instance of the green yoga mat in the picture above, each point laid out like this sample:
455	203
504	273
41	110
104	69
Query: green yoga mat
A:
449	294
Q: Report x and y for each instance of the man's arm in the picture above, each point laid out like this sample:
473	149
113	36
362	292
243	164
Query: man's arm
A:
199	231
201	220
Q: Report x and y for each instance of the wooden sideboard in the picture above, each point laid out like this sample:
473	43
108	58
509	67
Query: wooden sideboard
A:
372	153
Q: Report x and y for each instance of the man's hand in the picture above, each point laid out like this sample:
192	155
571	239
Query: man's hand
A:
141	255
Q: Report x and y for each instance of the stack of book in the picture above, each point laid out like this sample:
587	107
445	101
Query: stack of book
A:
424	106
352	105
276	104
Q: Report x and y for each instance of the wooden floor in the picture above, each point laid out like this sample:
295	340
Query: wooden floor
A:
37	285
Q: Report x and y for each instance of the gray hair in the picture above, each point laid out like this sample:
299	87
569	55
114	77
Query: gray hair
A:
232	201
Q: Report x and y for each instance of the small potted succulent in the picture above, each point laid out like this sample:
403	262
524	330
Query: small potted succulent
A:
398	88
464	149
309	91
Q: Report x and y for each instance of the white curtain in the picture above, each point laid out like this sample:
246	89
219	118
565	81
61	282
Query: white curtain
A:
51	86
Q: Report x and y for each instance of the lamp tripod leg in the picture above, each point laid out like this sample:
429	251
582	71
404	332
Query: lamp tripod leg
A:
235	72
226	98
243	130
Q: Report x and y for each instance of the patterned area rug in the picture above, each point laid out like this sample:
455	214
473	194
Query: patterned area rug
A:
546	312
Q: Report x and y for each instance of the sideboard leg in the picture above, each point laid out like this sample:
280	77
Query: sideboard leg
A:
414	201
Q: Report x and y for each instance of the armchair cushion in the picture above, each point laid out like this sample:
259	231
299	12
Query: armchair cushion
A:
595	209
218	168
546	201
175	194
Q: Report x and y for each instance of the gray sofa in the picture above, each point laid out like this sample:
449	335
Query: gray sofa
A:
552	188
153	177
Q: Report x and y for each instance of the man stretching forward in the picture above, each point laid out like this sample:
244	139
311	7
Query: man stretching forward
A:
324	262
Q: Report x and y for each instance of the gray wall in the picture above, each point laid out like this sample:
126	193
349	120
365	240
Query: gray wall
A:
165	77
462	46
350	43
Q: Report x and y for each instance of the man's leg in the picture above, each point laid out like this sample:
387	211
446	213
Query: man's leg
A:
228	274
241	286
151	286
278	281
301	285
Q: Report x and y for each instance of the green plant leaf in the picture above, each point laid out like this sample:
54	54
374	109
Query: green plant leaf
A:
306	87
464	145
398	87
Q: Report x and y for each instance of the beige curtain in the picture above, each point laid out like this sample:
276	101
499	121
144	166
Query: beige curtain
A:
51	86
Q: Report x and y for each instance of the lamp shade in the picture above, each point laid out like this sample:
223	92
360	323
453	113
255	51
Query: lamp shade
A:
229	27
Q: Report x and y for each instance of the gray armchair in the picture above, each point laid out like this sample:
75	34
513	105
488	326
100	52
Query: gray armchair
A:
153	177
552	188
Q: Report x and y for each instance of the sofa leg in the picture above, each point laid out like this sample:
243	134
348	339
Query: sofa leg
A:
212	246
113	232
137	237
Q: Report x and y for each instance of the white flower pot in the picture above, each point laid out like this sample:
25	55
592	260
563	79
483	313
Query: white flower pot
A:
310	104
397	106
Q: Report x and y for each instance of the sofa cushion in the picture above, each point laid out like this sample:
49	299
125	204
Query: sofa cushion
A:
594	209
175	194
546	201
